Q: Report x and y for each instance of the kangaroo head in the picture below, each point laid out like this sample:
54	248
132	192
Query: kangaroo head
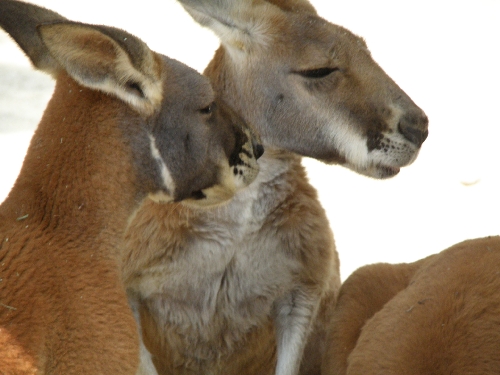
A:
206	152
185	143
309	86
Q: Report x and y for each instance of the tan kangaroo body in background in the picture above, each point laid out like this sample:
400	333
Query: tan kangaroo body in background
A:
440	315
117	129
247	288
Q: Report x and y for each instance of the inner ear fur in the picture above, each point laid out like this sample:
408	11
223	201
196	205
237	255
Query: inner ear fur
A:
240	24
107	59
238	19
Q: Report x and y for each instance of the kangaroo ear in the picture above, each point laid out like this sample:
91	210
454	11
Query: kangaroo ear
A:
20	20
240	25
107	59
244	24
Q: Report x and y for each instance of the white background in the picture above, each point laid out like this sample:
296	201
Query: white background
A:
444	54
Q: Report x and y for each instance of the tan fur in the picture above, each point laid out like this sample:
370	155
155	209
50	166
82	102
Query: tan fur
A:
249	287
63	306
224	341
439	315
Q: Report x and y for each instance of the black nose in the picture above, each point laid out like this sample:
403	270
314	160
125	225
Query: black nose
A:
258	149
414	127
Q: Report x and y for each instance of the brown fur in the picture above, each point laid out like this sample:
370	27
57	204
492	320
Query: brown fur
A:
98	152
439	315
249	287
64	308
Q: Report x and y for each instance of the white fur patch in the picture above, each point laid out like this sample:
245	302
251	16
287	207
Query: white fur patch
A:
168	181
348	142
294	317
398	152
146	366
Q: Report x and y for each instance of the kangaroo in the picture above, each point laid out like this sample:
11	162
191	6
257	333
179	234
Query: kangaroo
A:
247	288
124	124
439	315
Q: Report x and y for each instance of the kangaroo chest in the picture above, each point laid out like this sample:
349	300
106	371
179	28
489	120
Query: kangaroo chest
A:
209	287
230	274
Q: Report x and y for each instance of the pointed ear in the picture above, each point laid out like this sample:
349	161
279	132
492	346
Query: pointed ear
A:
20	20
244	24
241	25
107	59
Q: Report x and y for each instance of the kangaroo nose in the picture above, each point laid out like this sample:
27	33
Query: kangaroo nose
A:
258	149
414	128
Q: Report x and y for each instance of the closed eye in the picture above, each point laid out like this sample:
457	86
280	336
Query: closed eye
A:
208	109
316	73
135	88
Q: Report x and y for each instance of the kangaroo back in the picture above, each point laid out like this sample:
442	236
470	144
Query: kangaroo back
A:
442	320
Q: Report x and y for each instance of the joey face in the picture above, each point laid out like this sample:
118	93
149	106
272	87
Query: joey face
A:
204	151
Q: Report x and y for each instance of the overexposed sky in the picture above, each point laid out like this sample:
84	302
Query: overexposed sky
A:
444	54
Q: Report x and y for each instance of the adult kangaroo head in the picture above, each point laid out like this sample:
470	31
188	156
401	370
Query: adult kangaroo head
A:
309	86
187	144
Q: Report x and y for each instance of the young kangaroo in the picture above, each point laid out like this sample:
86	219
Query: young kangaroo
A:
440	315
242	289
124	123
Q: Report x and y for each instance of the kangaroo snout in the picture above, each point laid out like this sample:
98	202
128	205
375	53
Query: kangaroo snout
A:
414	127
258	149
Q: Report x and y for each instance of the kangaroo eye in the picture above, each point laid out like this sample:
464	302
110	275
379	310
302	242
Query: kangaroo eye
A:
208	109
317	73
135	87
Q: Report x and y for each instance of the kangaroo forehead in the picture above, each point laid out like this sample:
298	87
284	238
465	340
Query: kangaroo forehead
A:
184	86
313	31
